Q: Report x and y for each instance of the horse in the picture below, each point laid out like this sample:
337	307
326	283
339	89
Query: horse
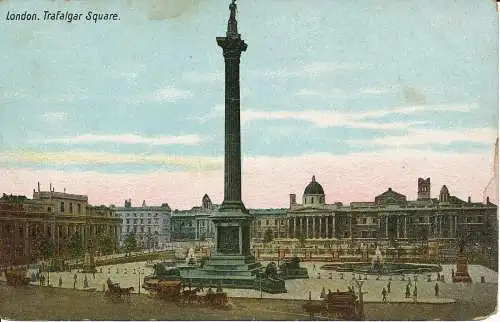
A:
190	295
126	291
314	308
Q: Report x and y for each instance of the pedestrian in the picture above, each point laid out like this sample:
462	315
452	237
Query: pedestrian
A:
93	274
407	294
436	289
415	293
85	282
384	295
452	273
341	276
330	276
319	275
60	281
314	267
389	287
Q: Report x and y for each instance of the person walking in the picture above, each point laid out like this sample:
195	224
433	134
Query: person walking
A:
389	287
93	274
85	282
436	289
75	278
60	281
415	293
384	295
407	294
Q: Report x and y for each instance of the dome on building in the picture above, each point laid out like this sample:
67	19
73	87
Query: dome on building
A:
314	188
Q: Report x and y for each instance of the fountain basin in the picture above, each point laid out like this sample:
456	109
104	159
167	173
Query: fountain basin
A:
386	269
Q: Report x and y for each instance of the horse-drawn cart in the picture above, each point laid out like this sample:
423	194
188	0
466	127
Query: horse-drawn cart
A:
167	290
338	305
116	292
16	277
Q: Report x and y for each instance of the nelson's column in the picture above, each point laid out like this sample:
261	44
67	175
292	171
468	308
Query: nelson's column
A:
231	264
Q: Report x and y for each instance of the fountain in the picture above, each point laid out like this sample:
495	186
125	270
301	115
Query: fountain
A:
190	258
378	266
377	263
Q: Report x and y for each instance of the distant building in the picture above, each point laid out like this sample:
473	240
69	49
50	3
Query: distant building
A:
54	224
195	223
392	217
274	220
150	224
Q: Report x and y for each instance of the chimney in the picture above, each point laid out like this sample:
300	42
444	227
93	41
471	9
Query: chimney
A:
487	200
50	187
64	190
293	200
38	186
469	200
144	203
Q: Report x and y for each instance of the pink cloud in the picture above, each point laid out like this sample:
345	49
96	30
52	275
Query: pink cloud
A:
267	181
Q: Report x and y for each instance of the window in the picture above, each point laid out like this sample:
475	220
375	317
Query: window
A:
480	219
79	208
49	209
62	206
267	222
128	220
276	222
141	221
71	207
149	221
363	221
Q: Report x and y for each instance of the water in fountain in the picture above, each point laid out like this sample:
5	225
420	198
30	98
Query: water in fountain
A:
377	261
190	259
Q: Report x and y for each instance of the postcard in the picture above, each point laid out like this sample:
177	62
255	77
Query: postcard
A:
248	160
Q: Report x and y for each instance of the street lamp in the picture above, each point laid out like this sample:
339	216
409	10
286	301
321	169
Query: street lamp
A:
139	291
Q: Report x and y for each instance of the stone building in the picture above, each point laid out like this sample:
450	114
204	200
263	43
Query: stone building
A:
195	223
149	224
54	224
389	217
274	220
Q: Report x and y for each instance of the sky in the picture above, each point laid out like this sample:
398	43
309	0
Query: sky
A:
365	95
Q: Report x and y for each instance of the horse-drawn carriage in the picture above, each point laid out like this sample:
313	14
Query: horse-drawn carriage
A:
169	290
114	291
16	277
338	305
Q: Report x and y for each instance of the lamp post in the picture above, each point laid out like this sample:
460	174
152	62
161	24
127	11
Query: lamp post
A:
359	284
139	291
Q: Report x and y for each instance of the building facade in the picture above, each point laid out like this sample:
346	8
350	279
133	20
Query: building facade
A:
54	224
149	224
195	223
390	217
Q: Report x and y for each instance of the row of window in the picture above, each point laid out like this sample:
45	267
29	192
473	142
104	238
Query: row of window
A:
156	221
63	208
134	229
127	214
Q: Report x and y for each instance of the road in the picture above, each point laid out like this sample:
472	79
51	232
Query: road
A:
43	303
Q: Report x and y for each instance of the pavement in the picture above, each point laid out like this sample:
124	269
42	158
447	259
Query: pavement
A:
132	275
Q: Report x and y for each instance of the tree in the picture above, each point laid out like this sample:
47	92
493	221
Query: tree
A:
75	245
130	243
106	245
268	236
47	248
